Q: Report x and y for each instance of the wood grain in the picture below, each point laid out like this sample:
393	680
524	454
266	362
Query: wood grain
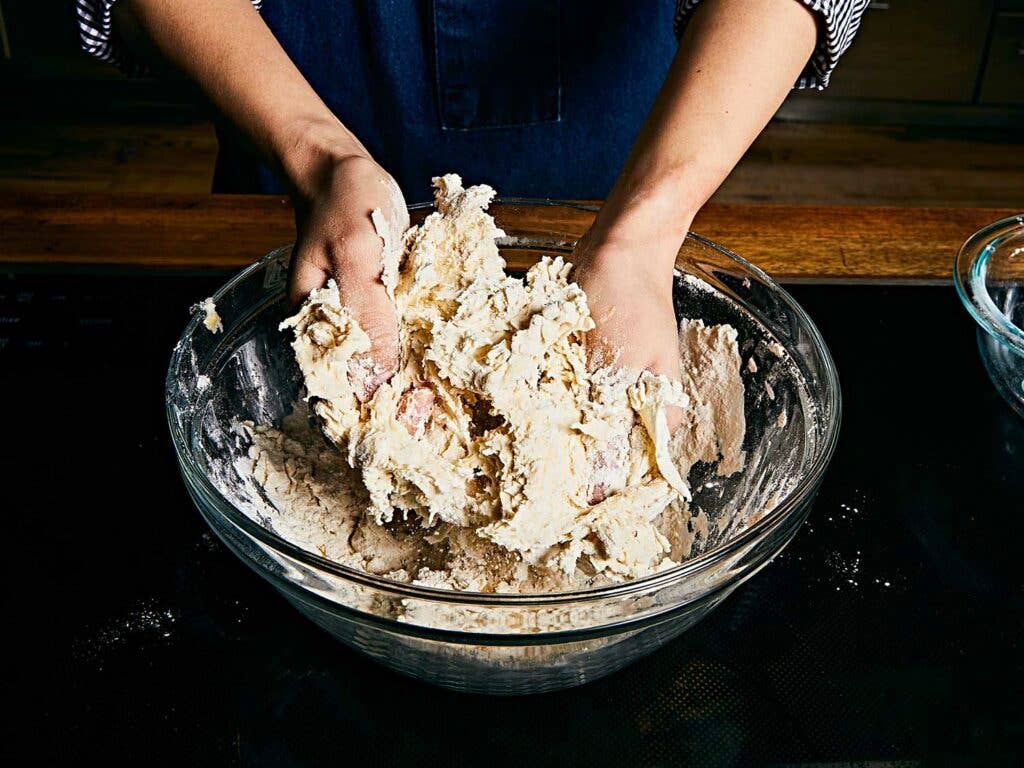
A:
218	232
789	163
52	154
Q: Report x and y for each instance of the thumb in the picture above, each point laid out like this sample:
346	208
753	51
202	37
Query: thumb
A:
375	313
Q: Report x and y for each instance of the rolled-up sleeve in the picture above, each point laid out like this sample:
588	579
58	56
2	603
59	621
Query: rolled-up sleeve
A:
838	22
99	39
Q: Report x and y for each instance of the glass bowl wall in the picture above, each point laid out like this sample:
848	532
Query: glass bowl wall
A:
515	643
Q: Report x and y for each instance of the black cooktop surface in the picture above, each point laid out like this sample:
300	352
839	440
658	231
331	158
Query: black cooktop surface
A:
888	633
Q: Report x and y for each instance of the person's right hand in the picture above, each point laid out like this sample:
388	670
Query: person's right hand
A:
336	239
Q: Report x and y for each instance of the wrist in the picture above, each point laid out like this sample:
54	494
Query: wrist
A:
309	150
651	203
643	223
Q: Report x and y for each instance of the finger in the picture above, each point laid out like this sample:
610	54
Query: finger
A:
607	467
370	370
414	409
353	255
674	417
375	313
366	374
370	307
670	366
601	352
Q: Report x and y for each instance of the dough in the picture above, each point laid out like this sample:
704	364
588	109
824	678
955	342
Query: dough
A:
211	319
494	460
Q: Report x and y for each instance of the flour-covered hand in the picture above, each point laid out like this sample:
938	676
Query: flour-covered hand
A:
337	238
631	305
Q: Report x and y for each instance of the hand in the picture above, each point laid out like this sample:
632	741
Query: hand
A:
635	325
628	282
630	300
337	239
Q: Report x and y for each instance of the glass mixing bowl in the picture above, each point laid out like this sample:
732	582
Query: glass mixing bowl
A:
989	276
515	643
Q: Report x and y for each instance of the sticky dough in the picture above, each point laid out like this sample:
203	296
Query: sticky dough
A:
494	458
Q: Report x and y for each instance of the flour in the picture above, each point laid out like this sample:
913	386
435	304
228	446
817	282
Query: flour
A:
211	319
495	459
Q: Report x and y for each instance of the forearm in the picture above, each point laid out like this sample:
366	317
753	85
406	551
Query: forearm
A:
225	47
735	65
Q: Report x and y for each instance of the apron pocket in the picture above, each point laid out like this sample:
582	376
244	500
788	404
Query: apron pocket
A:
497	62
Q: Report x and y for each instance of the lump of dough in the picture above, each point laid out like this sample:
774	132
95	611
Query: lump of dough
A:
494	444
211	319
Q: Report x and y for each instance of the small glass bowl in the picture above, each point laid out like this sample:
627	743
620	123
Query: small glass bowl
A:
500	643
989	276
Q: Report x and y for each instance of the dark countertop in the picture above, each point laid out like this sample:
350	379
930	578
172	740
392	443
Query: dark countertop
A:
890	630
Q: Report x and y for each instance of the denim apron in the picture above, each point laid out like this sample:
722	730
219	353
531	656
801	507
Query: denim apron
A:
538	98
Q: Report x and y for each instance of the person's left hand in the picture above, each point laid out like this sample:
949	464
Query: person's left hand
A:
630	299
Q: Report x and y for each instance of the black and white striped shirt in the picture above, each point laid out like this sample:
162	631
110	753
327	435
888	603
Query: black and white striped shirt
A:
838	21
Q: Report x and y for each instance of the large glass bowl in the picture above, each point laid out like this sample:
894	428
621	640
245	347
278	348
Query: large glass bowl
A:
516	643
989	276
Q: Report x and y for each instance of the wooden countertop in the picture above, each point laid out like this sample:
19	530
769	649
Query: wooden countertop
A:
204	232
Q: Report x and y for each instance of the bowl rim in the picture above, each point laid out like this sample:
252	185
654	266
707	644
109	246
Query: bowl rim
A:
788	506
969	273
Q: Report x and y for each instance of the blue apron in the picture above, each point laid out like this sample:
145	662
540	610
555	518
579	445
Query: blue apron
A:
538	98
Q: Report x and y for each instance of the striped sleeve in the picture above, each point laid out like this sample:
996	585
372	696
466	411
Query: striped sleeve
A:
98	37
838	22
